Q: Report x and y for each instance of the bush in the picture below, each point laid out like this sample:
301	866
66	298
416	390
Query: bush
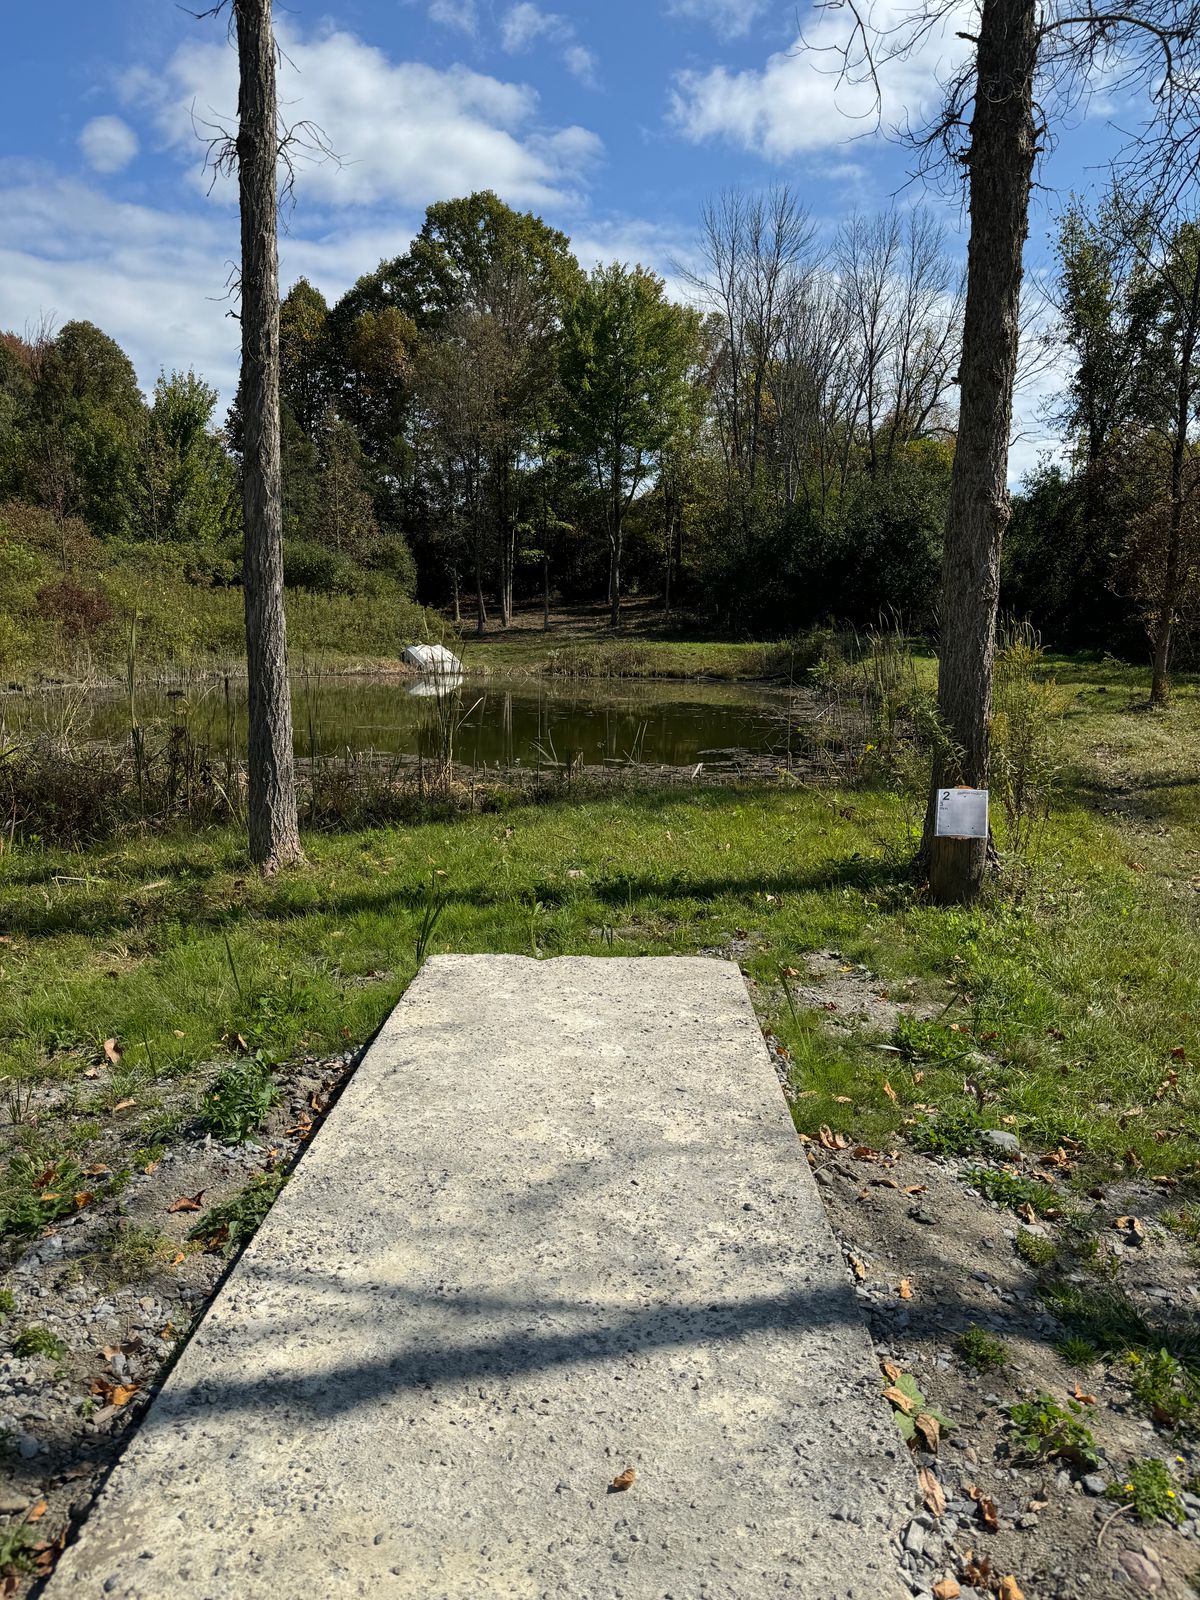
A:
312	566
78	609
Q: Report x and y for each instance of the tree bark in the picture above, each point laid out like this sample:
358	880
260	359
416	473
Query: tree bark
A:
1160	686
274	824
1000	169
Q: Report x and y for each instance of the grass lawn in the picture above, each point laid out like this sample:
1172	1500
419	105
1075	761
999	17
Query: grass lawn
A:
1078	978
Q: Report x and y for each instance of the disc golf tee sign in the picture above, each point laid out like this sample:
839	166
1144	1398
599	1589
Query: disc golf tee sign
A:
962	814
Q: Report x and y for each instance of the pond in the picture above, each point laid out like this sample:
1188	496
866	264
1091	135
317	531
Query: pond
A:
529	722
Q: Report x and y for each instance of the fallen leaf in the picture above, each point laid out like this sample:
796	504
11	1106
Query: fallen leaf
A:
1010	1589
890	1371
905	1289
915	1188
114	1394
976	1570
865	1152
187	1202
918	1077
1179	1053
884	1183
122	1105
178	1258
946	1589
1133	1226
890	1092
901	1401
929	1431
1026	1212
931	1491
622	1481
1084	1399
828	1140
988	1514
843	1100
83	1198
37	1512
112	1051
858	1267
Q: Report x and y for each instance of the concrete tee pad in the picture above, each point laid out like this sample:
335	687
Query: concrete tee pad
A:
558	1225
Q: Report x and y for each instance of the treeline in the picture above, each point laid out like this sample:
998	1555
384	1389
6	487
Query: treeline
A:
1104	548
480	423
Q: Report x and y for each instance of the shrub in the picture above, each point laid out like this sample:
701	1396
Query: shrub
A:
79	610
981	1349
312	566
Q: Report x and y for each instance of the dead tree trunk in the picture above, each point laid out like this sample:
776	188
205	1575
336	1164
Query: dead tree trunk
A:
274	826
1000	169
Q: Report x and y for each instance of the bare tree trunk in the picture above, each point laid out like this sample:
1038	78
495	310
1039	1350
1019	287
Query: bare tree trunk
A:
545	593
274	826
1000	168
1160	688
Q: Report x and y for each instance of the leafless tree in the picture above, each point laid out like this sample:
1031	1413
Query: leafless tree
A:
1027	61
255	151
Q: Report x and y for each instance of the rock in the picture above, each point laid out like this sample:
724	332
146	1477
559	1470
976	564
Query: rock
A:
27	1446
914	1538
1001	1139
1095	1483
1142	1574
432	658
11	1502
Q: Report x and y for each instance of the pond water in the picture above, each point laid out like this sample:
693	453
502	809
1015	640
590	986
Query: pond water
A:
529	722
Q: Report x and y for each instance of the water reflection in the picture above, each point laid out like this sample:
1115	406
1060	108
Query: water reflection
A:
528	722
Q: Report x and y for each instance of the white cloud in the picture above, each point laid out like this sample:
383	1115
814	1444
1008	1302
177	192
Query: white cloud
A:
460	14
523	24
108	144
157	281
799	102
728	18
581	63
406	132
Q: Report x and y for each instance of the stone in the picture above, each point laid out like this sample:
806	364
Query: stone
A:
1095	1483
433	659
1001	1139
1142	1574
515	1257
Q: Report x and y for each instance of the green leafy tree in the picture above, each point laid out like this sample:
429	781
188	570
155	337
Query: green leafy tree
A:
188	485
626	355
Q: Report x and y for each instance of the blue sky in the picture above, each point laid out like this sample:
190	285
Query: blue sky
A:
614	120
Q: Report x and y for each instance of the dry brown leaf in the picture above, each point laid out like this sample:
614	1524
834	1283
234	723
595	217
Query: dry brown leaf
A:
884	1183
828	1140
83	1197
915	1188
1026	1212
901	1401
946	1589
622	1481
1134	1226
113	1051
122	1105
37	1512
1010	1589
1179	1053
1084	1399
890	1371
187	1202
988	1514
890	1092
114	1394
929	1431
905	1289
858	1267
843	1100
918	1077
931	1491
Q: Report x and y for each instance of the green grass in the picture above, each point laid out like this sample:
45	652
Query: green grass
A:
1078	979
1035	1248
982	1350
34	1341
223	1227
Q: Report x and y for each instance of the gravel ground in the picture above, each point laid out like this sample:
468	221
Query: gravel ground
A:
119	1286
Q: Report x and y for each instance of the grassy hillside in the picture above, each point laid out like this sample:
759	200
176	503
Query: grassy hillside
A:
75	606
